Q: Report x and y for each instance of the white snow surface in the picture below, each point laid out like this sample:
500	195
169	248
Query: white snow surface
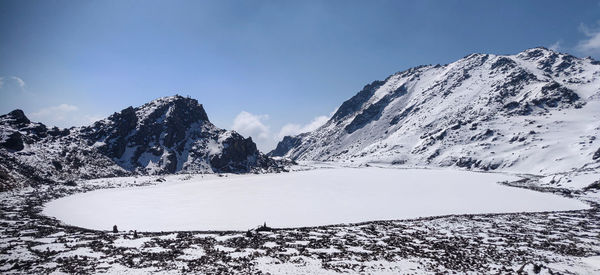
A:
437	115
301	199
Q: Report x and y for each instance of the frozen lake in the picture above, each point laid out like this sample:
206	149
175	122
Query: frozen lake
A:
298	199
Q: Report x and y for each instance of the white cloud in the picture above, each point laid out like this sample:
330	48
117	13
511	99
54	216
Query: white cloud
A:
555	46
590	45
19	81
256	126
253	126
292	129
63	115
12	82
55	115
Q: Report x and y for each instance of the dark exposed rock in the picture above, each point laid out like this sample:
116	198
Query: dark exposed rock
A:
16	121
239	155
596	155
57	132
511	105
168	130
534	53
14	173
17	118
555	94
547	63
403	114
511	87
481	136
503	63
594	186
468	162
355	103
434	155
284	146
173	133
14	142
374	111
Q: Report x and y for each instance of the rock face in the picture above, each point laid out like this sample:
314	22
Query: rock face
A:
167	135
31	154
285	145
536	111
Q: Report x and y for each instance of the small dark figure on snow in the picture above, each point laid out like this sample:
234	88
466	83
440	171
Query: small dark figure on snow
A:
264	227
115	230
135	234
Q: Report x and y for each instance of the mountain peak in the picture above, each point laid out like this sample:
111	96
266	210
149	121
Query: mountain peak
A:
537	53
172	99
17	117
539	48
446	115
172	134
172	107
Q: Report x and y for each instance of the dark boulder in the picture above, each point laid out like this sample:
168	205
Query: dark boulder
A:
239	154
596	155
14	142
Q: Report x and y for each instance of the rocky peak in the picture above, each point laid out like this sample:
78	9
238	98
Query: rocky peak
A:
18	130
285	145
185	109
355	103
15	118
168	135
535	53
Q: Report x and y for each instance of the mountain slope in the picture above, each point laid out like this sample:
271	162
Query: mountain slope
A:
30	154
537	111
167	135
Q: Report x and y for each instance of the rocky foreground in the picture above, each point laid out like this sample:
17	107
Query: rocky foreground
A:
554	242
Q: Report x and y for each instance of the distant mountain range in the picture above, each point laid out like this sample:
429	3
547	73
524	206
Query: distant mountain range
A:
167	135
535	112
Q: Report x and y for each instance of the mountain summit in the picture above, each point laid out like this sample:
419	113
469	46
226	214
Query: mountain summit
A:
536	111
167	135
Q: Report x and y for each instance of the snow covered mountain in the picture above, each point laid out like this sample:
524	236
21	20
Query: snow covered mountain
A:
30	154
167	135
537	112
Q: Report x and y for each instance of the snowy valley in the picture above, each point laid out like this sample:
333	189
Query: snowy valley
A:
487	165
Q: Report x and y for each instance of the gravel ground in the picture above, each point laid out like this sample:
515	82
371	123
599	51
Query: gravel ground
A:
554	242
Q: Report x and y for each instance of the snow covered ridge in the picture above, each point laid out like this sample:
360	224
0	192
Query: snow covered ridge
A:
535	112
167	135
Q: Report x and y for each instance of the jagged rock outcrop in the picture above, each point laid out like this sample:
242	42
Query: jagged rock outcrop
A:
167	135
31	154
285	145
536	111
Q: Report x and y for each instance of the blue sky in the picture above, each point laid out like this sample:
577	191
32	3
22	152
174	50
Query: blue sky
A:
265	68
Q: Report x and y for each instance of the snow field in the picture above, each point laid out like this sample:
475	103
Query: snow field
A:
301	199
